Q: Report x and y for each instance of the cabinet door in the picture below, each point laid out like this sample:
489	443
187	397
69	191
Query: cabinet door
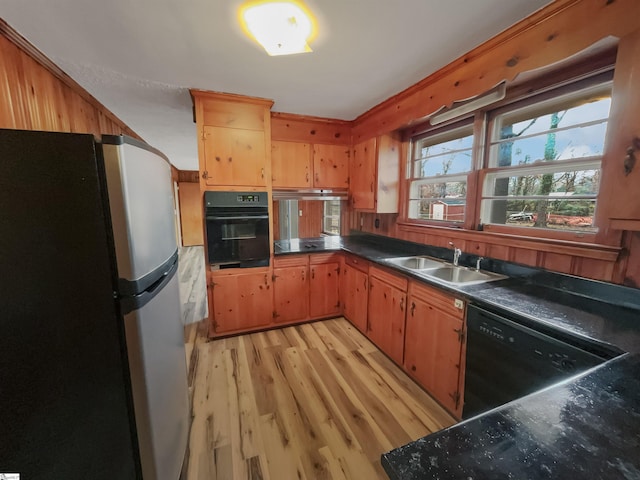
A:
330	166
234	157
433	352
241	301
191	222
356	288
387	318
362	171
291	164
291	294
325	290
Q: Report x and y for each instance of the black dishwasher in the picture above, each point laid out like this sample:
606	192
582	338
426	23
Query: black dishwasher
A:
506	360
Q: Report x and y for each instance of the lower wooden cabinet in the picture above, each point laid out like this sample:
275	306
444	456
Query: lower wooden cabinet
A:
387	306
291	289
239	300
355	294
324	285
434	344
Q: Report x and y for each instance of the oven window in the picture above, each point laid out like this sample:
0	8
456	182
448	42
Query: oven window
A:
238	231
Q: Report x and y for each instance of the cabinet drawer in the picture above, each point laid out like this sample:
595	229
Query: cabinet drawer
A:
438	298
327	257
357	262
391	278
291	261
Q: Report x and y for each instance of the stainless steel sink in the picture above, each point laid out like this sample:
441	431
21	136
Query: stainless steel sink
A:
415	263
461	275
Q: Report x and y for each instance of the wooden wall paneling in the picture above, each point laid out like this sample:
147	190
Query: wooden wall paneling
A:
524	256
557	262
192	176
310	223
191	214
595	269
37	95
631	274
302	128
551	34
275	222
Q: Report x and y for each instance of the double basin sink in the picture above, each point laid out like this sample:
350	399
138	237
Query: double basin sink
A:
441	271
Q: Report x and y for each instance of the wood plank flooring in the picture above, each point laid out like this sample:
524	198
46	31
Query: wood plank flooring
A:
314	401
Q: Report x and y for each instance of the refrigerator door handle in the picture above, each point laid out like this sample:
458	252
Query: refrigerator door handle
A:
135	302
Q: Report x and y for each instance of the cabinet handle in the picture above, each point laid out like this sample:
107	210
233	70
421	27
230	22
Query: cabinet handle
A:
266	280
303	275
230	159
630	159
365	283
262	172
307	176
317	178
313	273
413	308
372	187
402	304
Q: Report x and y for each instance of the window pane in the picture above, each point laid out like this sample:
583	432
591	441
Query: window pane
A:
438	201
429	147
331	218
451	163
558	213
576	182
578	142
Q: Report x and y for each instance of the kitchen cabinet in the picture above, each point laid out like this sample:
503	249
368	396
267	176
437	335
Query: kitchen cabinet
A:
291	164
234	140
434	344
374	174
324	288
387	306
291	289
354	290
618	201
239	300
234	157
305	165
330	166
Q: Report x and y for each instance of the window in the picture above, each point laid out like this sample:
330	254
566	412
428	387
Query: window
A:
331	217
544	161
438	172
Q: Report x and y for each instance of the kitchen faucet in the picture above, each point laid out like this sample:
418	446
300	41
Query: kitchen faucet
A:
456	253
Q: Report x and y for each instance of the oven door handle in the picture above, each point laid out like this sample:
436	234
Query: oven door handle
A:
239	217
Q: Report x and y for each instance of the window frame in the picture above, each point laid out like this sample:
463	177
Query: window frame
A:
465	121
595	82
520	95
325	217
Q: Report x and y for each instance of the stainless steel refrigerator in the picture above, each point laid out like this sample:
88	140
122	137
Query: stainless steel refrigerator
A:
93	381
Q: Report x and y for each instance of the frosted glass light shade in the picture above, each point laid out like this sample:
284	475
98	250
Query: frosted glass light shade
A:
282	28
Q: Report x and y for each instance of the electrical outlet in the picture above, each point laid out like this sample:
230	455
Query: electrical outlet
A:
299	213
459	304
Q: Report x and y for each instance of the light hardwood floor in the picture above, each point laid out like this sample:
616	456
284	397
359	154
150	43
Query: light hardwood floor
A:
314	401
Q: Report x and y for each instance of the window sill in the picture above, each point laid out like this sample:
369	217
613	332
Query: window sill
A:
514	239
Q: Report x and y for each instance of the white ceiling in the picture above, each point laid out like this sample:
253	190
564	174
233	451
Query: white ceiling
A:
139	58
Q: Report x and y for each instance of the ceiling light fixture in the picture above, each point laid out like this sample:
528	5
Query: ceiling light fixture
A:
281	27
467	106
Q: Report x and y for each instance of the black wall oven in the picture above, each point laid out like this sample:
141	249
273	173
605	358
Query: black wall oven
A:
237	227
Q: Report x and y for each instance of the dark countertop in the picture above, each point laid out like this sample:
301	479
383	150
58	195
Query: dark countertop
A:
584	427
559	305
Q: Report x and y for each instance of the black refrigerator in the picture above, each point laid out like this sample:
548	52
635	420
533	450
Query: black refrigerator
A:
93	374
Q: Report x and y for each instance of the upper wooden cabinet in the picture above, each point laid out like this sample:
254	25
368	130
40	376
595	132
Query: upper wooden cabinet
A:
330	166
290	164
234	138
305	165
619	201
374	173
234	157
